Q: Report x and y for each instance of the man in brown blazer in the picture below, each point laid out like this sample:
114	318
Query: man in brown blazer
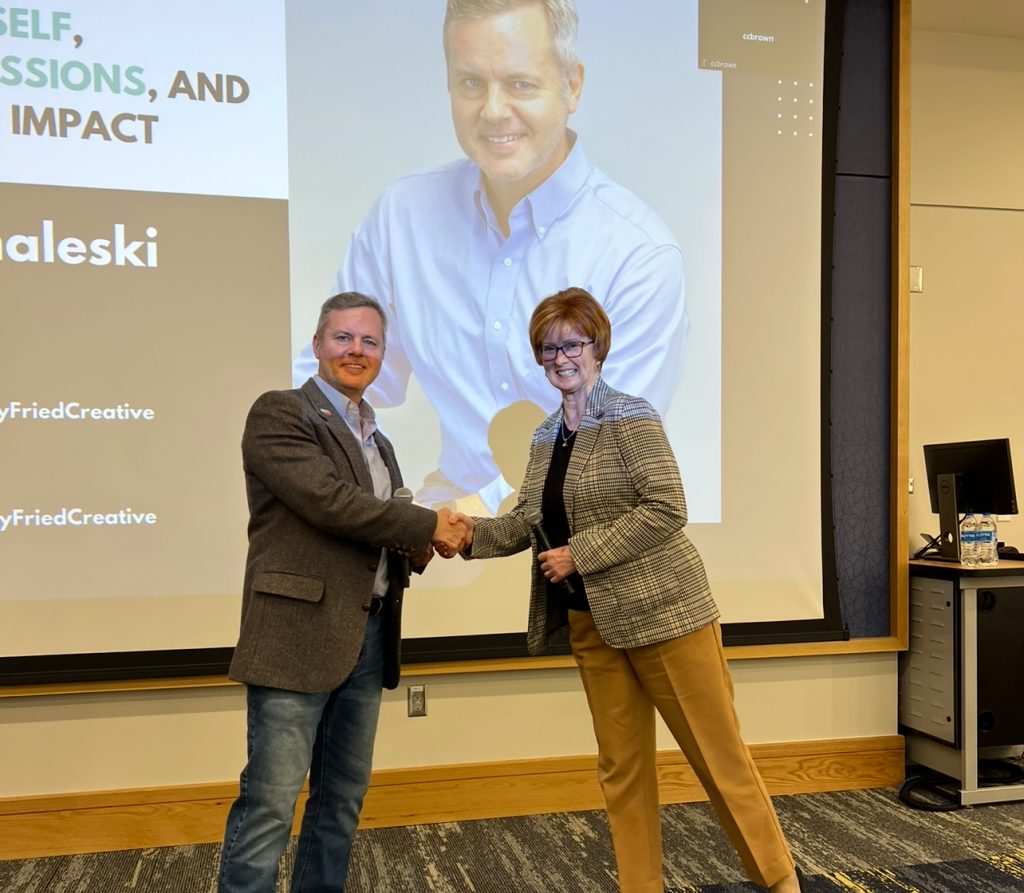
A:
321	608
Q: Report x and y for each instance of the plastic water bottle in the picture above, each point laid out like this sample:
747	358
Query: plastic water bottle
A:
988	552
969	541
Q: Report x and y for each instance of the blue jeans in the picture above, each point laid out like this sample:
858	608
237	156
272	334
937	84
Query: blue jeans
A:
330	735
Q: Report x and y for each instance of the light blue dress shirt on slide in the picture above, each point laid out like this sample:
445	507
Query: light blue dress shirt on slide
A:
459	295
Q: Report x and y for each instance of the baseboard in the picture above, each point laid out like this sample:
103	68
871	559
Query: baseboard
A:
31	827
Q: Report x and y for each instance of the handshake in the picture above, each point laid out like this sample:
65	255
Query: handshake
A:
453	533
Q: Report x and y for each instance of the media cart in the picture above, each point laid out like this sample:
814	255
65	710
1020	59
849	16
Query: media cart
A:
962	678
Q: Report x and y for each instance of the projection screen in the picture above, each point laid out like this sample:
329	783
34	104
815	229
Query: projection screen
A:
181	187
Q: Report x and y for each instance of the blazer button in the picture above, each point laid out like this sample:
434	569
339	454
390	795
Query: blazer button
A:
366	606
371	567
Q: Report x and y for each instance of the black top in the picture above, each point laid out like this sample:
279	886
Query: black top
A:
951	570
556	524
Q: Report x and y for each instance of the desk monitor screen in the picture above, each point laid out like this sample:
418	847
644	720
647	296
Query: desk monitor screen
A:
972	476
985	482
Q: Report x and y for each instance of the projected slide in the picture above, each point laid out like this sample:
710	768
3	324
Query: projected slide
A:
183	185
144	262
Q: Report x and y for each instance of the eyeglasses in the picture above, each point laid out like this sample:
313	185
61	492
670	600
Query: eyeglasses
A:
571	349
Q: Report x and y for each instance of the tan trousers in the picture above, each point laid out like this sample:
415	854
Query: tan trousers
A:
687	680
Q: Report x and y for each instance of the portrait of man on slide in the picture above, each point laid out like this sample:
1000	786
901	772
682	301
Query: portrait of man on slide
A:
459	255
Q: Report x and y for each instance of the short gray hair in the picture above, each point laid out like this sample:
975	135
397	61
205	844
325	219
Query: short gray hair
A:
347	300
563	23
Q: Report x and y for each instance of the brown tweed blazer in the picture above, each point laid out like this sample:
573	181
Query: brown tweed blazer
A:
315	535
626	509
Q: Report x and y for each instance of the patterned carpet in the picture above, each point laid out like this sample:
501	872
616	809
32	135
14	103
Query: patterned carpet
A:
853	841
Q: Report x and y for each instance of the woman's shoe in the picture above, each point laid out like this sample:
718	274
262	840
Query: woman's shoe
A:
800	878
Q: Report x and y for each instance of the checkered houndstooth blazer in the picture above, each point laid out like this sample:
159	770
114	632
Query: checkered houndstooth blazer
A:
626	509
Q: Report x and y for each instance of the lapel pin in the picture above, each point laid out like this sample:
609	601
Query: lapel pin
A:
326	413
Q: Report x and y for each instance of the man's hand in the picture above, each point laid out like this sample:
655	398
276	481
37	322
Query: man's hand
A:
449	534
557	564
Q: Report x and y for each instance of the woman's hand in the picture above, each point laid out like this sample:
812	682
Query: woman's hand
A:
557	564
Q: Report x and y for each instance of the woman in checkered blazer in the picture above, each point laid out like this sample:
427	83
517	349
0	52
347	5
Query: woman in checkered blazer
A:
618	569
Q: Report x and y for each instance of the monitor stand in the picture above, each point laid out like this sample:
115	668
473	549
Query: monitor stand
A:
949	518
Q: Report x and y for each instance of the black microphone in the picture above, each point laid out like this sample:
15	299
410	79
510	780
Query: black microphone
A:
535	519
404	494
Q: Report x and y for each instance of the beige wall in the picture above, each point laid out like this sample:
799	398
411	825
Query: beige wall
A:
135	740
967	233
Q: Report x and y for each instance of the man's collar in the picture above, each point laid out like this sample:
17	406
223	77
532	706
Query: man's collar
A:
345	407
547	202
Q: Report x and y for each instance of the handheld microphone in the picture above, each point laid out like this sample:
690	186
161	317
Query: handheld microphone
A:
535	519
404	494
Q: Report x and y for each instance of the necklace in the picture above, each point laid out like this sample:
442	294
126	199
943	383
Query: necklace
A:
566	437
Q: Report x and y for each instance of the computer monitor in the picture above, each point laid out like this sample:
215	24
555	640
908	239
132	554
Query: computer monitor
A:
972	476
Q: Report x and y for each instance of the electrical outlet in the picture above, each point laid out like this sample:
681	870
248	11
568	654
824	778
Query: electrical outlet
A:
917	279
417	697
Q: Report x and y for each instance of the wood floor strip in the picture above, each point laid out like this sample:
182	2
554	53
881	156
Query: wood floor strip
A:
103	821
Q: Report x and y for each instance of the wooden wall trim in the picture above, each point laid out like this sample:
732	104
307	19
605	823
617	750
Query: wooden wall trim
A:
32	827
899	514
